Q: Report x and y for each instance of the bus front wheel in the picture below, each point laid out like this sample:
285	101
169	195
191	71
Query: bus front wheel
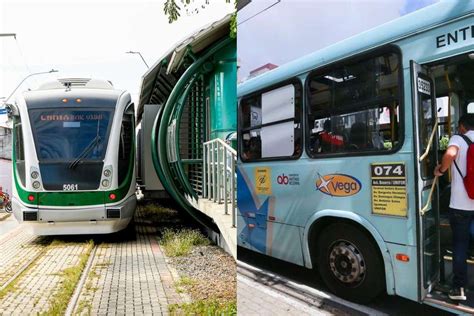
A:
350	263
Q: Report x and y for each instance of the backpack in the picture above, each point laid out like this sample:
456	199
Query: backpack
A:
469	178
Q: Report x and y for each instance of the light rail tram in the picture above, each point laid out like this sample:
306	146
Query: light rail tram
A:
73	158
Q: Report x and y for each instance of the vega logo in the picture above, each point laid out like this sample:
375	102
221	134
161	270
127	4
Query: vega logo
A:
338	185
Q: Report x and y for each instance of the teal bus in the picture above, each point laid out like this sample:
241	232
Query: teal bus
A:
337	151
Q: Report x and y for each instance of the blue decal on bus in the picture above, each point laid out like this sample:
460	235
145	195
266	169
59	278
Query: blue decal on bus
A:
253	214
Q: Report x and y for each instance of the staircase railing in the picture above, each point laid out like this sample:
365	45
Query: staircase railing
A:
219	177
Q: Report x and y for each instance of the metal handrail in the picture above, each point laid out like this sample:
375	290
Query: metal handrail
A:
428	201
219	177
430	143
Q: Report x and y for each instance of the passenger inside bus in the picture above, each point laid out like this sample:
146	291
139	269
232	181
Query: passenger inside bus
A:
358	137
326	141
454	96
252	149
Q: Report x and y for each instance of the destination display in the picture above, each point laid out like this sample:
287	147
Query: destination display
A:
389	191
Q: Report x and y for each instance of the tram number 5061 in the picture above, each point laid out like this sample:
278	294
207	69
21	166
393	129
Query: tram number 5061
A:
70	187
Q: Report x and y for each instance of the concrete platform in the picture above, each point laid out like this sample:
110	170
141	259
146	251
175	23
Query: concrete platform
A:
224	222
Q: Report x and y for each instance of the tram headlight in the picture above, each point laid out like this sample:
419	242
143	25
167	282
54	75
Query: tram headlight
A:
105	183
107	172
35	175
36	185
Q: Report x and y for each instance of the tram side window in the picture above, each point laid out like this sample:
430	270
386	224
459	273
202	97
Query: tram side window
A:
19	152
354	107
270	124
125	147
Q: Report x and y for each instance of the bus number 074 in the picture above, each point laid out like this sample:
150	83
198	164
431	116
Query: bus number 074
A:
388	170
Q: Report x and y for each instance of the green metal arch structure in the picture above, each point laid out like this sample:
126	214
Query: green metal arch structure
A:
186	110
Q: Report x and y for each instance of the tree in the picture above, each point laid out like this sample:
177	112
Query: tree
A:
172	10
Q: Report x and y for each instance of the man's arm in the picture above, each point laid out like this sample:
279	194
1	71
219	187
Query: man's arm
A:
447	160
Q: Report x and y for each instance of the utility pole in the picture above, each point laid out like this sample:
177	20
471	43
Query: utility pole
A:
138	53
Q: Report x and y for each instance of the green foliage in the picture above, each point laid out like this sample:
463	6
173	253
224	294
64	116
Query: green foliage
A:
443	143
205	307
180	242
233	25
172	10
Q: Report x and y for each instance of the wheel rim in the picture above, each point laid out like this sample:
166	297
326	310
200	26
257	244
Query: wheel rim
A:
347	263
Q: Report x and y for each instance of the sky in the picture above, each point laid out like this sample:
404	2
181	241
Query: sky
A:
89	38
278	31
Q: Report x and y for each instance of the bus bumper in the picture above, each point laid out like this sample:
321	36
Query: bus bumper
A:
97	219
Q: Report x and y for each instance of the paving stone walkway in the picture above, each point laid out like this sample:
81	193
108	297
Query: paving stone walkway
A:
130	278
17	248
254	298
127	276
35	289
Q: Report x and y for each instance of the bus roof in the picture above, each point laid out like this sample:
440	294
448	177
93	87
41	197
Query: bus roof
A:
389	32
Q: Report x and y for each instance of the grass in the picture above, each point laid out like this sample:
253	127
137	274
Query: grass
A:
84	307
204	307
180	242
70	277
184	283
159	213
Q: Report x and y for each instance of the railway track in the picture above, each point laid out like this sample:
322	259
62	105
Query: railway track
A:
74	301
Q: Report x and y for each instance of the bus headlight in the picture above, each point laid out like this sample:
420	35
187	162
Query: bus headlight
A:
107	172
105	183
36	185
35	175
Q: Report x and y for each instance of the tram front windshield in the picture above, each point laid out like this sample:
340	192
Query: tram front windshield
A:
70	134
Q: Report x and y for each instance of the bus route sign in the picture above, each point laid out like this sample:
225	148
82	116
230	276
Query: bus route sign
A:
389	191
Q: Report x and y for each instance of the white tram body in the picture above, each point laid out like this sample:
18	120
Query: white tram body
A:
74	158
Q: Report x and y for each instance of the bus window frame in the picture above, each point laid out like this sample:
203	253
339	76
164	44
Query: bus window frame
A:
293	81
373	53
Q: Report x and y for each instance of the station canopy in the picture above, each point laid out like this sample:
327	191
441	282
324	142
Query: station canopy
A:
158	82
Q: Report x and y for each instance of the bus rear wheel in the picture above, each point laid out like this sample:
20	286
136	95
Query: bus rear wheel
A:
350	263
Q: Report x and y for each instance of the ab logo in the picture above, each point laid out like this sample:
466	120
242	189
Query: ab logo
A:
282	179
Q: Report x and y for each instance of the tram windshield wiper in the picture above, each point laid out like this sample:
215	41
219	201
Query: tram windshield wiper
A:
96	141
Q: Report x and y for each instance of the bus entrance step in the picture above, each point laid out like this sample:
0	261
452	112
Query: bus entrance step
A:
441	299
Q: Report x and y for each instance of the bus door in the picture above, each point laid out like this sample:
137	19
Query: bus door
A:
425	130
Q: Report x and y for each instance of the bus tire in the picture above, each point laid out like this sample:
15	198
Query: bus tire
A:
350	263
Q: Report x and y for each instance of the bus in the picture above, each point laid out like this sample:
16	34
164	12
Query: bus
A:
73	158
337	151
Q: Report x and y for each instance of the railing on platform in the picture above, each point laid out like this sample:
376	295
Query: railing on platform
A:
219	177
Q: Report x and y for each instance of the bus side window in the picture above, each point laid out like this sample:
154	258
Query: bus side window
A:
19	152
125	147
270	124
358	106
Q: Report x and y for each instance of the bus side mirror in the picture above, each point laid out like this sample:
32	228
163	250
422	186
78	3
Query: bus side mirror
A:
130	109
12	110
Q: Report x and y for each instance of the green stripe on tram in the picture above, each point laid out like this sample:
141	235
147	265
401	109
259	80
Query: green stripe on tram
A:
74	198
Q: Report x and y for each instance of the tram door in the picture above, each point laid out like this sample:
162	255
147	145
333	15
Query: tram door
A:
426	143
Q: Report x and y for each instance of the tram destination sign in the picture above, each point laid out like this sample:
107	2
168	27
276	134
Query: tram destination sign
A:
389	190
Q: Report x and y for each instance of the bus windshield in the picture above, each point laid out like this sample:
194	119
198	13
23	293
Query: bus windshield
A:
66	134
